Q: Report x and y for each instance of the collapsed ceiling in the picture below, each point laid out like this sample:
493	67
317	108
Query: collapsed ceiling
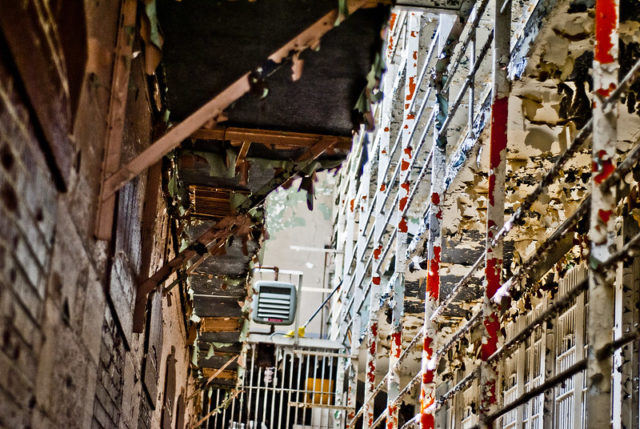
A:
297	119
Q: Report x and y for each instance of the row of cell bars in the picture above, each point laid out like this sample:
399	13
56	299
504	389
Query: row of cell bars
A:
359	259
282	387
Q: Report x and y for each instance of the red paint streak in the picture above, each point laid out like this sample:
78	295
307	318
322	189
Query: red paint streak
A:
371	374
492	326
404	166
376	280
604	215
374	331
499	114
426	346
402	203
402	226
392	20
435	198
412	88
364	197
491	384
604	166
386	129
377	252
492	274
605	92
408	150
415	55
439	215
406	127
405	186
384	151
433	275
411	116
413	34
351	204
397	340
390	44
383	187
606	20
427	421
492	187
392	421
427	377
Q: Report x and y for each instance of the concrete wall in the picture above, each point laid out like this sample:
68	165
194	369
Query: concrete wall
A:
68	357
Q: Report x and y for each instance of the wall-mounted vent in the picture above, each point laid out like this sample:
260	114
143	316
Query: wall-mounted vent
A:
275	303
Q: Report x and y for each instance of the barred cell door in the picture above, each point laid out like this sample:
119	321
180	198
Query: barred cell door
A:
284	386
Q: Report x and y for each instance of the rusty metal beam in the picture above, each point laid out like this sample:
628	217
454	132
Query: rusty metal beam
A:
115	118
279	139
210	112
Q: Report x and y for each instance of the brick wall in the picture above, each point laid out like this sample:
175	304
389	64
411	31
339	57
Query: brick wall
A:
68	357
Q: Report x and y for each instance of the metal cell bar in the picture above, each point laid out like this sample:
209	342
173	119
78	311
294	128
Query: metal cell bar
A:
434	246
393	374
257	406
251	376
600	316
495	210
306	394
274	388
282	403
223	419
292	364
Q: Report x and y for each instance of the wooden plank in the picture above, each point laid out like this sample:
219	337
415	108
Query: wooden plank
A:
220	324
279	139
210	374
115	118
215	107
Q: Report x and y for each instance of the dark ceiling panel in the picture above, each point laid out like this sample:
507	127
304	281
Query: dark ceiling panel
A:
209	44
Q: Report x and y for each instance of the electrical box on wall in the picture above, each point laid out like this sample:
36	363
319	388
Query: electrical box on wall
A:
274	303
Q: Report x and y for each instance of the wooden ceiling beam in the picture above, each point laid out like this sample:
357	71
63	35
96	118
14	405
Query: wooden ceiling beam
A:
280	139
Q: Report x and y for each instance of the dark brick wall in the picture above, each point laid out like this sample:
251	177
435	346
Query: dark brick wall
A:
68	358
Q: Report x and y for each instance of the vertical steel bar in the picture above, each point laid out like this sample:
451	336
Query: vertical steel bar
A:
265	398
602	218
215	420
434	246
223	418
393	375
353	369
298	381
489	389
281	403
291	366
323	402
306	395
251	375
370	378
338	400
233	409
257	407
472	84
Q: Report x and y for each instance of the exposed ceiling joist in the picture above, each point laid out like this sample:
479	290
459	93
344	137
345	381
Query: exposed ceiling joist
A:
279	139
